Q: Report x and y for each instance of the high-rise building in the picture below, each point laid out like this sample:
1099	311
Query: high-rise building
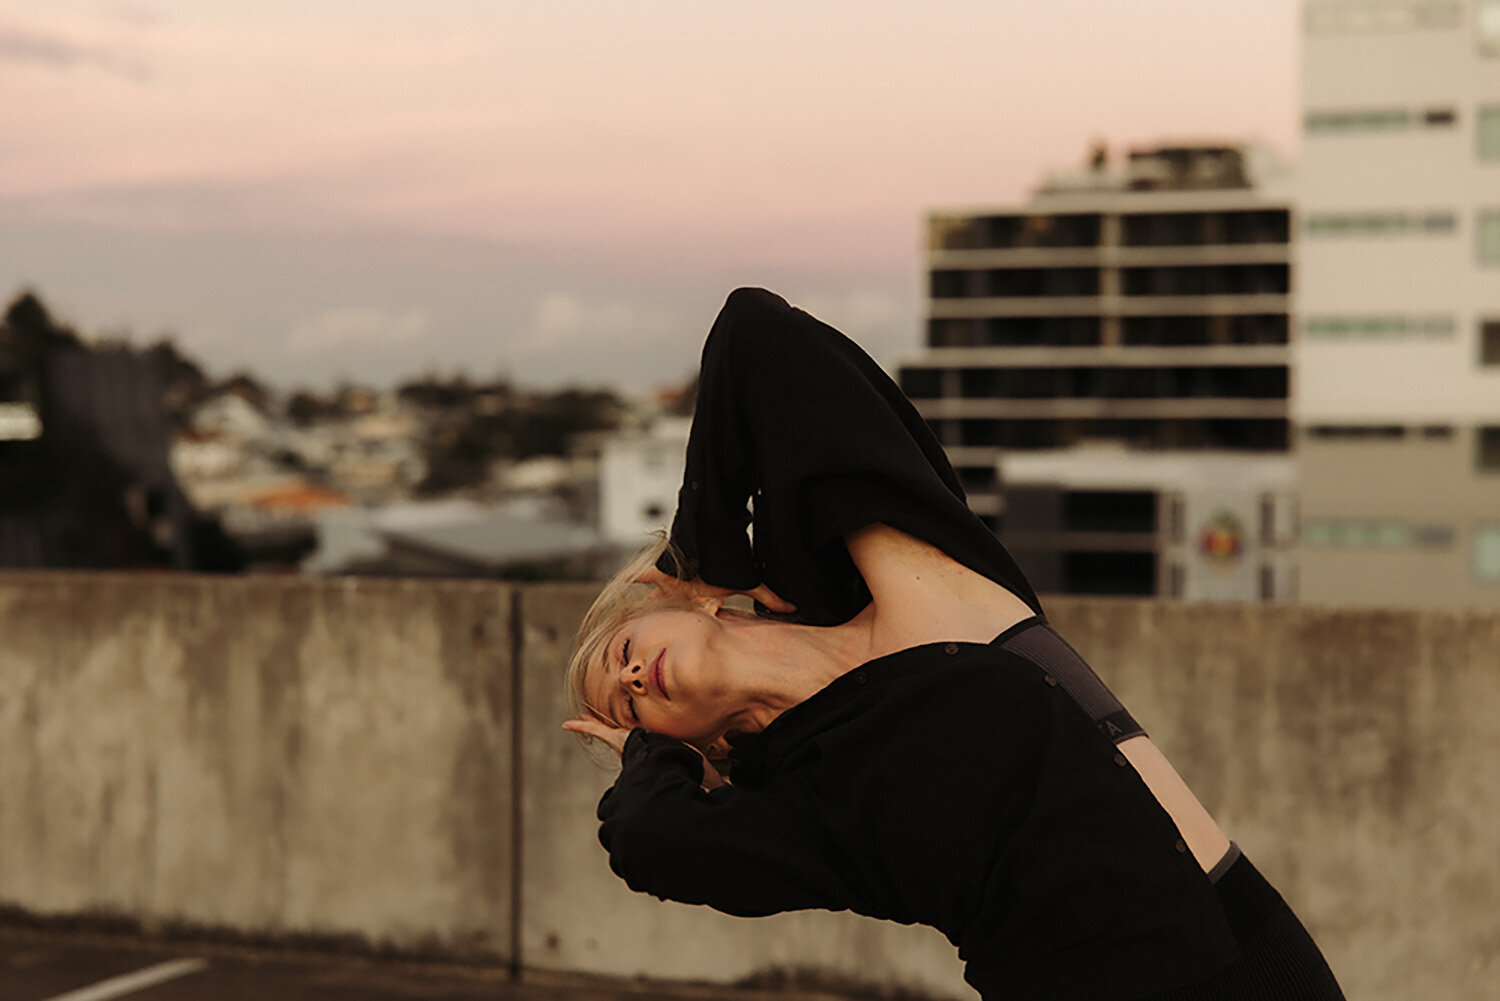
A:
1397	346
1122	315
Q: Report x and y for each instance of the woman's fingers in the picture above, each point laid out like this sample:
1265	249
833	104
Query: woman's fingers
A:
613	736
698	588
771	599
659	580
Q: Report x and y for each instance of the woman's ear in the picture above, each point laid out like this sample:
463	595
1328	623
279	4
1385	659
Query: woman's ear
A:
710	605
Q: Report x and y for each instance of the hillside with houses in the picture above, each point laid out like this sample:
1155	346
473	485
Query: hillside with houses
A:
437	476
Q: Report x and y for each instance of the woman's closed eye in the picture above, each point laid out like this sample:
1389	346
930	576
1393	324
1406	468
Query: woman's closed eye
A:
625	664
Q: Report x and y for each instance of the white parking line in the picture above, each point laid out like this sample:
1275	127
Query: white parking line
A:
129	983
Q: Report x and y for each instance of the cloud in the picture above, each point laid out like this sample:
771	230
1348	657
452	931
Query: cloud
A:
359	326
563	320
22	45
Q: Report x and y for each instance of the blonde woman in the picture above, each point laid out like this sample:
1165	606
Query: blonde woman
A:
902	733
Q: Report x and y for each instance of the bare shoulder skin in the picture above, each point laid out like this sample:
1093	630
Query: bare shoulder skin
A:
922	595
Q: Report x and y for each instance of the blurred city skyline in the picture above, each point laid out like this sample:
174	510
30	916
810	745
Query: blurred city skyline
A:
561	193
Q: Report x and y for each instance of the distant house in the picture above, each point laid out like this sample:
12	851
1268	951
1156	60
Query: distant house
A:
229	414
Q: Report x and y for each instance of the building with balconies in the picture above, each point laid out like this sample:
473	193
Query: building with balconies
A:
1144	307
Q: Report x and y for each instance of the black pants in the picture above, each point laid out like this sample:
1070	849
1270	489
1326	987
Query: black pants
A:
1277	959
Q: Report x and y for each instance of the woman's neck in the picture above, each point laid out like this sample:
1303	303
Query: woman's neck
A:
782	664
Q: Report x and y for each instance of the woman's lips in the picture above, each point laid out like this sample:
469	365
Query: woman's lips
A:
656	675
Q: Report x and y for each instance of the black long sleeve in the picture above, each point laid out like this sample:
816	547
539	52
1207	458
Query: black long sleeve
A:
796	416
748	853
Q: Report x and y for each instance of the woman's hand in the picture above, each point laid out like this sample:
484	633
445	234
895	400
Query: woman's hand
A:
610	735
614	737
697	590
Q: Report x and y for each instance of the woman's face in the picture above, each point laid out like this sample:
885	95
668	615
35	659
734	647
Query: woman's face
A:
663	671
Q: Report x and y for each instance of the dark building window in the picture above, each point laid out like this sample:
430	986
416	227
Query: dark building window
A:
1014	283
1191	229
1109	573
1488	457
1253	435
1109	511
1357	432
922	383
1182	331
1261	382
1489	342
1017	434
948	284
1227	279
977	479
1015	232
943	332
1041	331
1014	331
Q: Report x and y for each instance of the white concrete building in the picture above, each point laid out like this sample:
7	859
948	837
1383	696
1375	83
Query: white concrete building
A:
640	471
1397	303
1200	527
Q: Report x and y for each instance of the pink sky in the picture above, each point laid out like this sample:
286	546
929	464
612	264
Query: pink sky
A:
561	189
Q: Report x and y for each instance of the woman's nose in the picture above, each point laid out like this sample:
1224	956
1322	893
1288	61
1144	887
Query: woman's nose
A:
634	676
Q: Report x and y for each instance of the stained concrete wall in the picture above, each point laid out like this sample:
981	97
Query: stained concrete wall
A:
382	760
260	755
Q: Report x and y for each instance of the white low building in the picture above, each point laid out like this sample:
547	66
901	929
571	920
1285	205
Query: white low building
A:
640	472
1106	520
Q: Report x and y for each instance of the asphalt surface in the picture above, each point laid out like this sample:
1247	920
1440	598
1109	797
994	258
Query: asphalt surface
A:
42	966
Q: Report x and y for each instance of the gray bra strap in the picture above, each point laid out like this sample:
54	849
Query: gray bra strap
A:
1049	651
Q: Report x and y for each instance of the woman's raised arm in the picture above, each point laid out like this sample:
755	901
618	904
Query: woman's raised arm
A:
796	417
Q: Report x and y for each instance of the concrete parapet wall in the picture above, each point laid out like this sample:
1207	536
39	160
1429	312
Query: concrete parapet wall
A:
381	760
260	755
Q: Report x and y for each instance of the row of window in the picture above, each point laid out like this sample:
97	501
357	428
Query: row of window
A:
1435	223
1397	327
1374	534
1192	229
1186	280
1364	534
1374	16
1249	382
1378	432
1137	229
1379	326
1377	119
1201	331
1346	121
1486	438
1219	433
1380	223
1087	331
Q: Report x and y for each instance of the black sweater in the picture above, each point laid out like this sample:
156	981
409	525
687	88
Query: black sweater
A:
792	413
951	784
